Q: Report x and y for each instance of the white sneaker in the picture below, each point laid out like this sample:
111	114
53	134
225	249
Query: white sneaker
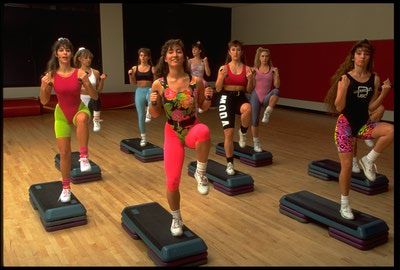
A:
257	146
369	168
202	183
369	143
143	142
266	116
65	195
345	212
242	139
355	168
85	164
176	227
229	169
96	125
148	117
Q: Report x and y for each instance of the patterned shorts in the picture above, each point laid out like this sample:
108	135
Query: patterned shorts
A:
344	138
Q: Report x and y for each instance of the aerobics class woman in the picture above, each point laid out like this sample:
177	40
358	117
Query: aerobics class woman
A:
83	60
265	93
70	110
142	75
353	93
179	93
234	79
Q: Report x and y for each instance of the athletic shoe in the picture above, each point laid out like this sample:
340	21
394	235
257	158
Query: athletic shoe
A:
176	227
65	195
266	116
229	169
257	146
148	117
85	164
202	183
355	168
96	125
369	168
143	142
242	139
345	212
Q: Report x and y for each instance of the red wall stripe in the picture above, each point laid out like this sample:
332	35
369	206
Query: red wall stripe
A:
306	68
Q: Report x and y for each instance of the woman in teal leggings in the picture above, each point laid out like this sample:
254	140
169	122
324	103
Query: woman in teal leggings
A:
142	76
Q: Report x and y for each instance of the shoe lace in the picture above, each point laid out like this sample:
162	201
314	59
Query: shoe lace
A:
203	179
373	168
176	223
230	166
84	160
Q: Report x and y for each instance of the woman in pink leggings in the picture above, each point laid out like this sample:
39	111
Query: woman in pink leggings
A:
180	94
352	95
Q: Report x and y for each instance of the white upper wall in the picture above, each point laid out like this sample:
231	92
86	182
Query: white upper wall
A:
307	23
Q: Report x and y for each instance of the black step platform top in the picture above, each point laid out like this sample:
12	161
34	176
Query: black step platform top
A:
135	143
330	210
216	172
247	151
154	222
45	197
334	166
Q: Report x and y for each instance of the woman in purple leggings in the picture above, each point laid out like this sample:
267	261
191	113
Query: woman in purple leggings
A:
266	92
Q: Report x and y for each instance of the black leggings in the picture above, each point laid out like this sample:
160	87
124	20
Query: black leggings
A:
229	105
94	105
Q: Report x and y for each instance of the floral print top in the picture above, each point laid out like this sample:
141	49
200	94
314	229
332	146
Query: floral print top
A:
180	106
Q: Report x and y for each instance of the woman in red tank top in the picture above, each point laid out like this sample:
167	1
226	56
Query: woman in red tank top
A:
234	79
67	82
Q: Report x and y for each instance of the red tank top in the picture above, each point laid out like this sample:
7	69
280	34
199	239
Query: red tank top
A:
68	90
233	79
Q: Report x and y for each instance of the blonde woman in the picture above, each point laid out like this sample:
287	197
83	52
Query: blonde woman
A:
266	91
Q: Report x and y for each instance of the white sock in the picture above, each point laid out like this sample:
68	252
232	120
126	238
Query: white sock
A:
176	214
201	167
147	110
372	155
256	139
344	200
354	159
143	135
269	109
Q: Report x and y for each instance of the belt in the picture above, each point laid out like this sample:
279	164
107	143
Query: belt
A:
236	93
183	123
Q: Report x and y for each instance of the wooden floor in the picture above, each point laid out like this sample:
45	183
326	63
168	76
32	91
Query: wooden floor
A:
243	230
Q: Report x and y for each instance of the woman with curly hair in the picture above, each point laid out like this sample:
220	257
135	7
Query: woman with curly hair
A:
180	94
353	93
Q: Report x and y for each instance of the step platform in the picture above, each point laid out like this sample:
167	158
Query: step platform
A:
77	176
147	153
247	155
229	184
329	170
151	223
364	232
54	214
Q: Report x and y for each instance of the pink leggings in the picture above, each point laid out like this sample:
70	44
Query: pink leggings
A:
174	151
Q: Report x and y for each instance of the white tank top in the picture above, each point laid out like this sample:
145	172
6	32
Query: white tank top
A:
92	78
